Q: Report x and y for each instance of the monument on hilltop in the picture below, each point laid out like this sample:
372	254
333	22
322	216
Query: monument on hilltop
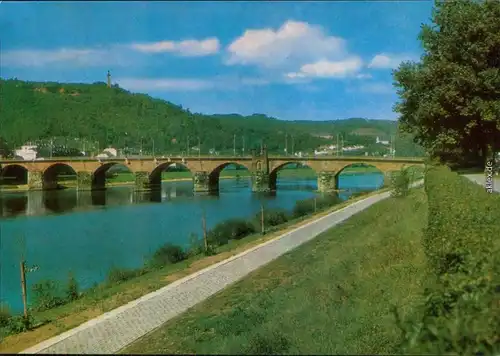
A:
109	79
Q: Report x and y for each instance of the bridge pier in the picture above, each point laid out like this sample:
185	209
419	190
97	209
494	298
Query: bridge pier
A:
35	180
261	182
202	183
327	181
142	182
83	180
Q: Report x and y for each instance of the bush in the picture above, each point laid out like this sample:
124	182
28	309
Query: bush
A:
197	247
4	315
326	200
271	218
228	230
307	206
119	275
72	290
460	313
400	183
303	208
18	324
167	254
46	295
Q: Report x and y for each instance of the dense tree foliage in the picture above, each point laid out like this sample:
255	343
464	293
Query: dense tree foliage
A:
5	150
450	100
69	118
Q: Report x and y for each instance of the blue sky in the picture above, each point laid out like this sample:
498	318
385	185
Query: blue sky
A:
291	60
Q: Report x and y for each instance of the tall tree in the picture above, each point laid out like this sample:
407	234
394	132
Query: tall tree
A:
450	100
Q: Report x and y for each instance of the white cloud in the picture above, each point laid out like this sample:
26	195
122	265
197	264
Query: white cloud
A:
293	43
116	55
188	48
84	57
329	69
388	61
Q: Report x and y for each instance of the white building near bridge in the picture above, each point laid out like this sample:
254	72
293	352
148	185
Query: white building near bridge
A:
27	152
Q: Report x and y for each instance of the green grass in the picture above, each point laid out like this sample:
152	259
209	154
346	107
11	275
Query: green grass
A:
330	296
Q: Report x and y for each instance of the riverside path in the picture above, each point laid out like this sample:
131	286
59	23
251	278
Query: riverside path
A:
116	329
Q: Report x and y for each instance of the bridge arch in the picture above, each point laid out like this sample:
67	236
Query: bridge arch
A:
358	170
214	175
108	171
57	176
155	177
276	171
14	174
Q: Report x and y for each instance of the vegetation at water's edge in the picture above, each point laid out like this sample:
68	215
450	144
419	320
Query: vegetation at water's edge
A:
49	294
91	116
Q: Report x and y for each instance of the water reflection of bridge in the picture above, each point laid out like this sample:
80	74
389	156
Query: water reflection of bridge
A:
46	202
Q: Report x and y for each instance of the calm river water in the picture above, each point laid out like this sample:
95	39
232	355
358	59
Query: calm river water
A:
88	233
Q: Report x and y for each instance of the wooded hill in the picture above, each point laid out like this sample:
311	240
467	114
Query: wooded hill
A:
72	114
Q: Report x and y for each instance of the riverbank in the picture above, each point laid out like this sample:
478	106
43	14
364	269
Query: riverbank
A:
332	295
106	298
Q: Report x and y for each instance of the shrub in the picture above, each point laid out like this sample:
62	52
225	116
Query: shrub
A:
119	275
72	290
460	313
271	218
306	206
196	245
327	200
400	183
4	315
303	208
228	230
167	254
46	295
18	324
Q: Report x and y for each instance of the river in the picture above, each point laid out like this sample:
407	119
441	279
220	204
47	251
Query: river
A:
88	233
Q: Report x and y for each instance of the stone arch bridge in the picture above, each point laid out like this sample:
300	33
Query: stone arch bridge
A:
90	172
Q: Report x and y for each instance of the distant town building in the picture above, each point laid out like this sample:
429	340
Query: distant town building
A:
382	142
109	152
319	153
27	152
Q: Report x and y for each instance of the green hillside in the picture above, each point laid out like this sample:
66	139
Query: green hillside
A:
92	116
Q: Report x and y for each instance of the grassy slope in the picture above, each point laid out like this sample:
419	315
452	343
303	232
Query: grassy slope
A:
332	295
